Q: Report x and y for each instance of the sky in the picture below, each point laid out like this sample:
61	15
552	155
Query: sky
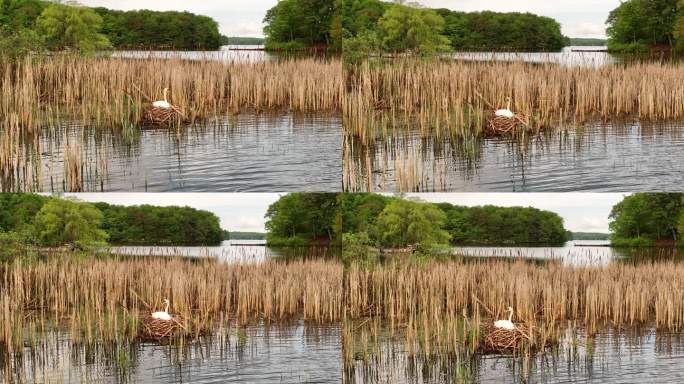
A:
578	18
582	212
241	212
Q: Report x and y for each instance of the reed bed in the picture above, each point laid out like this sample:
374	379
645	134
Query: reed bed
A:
113	91
103	299
454	98
618	294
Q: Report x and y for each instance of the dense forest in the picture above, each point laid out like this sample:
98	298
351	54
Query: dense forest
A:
373	215
231	40
302	218
35	25
372	25
236	235
588	236
586	42
52	221
146	224
643	25
644	219
299	24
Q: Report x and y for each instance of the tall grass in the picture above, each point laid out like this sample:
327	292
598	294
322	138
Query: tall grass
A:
113	92
102	299
619	294
454	98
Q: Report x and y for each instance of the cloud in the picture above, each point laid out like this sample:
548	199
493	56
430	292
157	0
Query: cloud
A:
581	212
235	17
237	211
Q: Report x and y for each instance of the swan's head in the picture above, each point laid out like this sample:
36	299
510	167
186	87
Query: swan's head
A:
166	301
510	309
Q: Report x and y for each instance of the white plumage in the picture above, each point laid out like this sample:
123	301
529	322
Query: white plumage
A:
163	315
507	113
164	104
506	324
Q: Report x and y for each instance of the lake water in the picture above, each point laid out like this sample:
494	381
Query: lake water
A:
576	253
597	158
230	251
295	353
248	152
583	56
609	357
227	53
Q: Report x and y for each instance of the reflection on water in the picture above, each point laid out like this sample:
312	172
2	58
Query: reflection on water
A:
227	53
599	158
582	56
248	152
610	356
296	353
231	251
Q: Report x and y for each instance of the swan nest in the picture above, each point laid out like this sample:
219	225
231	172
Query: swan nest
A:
501	340
499	125
156	329
162	116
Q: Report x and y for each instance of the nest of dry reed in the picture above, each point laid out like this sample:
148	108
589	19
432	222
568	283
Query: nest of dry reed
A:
500	340
499	125
163	116
158	330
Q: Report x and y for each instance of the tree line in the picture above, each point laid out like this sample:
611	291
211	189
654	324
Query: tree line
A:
34	26
386	221
645	219
374	25
54	222
300	24
638	26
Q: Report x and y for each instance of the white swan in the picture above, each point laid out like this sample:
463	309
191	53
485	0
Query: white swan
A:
506	324
163	315
164	104
507	113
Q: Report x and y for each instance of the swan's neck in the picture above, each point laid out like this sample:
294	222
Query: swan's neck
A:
508	105
510	315
166	92
166	308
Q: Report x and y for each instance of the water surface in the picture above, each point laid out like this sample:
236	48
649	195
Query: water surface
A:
610	356
571	56
295	353
596	157
247	152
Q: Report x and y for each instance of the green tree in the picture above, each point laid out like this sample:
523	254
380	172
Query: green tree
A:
66	222
416	30
299	218
650	216
678	32
637	25
71	27
300	23
405	222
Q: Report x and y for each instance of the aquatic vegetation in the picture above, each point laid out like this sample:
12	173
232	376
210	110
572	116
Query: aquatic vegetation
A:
452	98
103	299
550	293
111	92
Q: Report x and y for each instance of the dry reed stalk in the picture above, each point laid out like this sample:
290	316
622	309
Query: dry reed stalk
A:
444	96
111	91
95	292
620	294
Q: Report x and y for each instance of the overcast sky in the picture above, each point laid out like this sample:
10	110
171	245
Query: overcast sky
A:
582	212
579	18
237	211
